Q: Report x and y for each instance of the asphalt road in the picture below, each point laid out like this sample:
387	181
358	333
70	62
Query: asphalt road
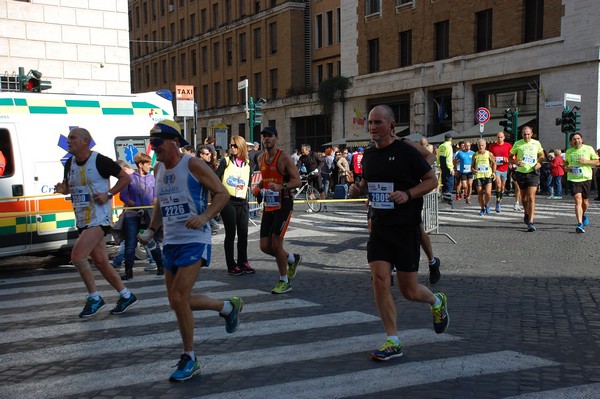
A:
523	309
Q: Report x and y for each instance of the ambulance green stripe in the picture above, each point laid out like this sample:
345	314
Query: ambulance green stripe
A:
47	110
117	111
83	103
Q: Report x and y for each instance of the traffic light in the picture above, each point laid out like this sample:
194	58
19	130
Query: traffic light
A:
508	124
251	113
258	115
32	82
575	122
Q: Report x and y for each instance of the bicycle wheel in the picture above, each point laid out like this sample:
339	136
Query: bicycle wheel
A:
312	195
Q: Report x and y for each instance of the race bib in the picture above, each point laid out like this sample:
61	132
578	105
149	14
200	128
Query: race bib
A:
80	197
483	168
271	198
466	169
174	207
576	171
379	195
499	160
529	159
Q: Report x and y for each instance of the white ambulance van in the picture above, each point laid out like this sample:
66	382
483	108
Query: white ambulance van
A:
33	139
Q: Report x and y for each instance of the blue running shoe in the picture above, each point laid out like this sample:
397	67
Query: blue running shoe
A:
579	229
498	207
441	318
487	210
124	304
186	368
586	220
92	307
482	212
531	227
232	320
387	351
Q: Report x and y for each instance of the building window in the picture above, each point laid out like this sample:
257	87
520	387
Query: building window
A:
241	93
534	20
319	26
242	47
329	28
228	51
400	2
193	63
204	96
227	11
338	30
442	38
147	75
273	37
162	8
484	30
241	8
192	25
319	74
163	37
146	41
242	130
204	59
216	55
373	7
373	55
172	33
256	6
257	47
155	74
182	66
405	51
145	12
215	16
173	68
154	40
153	10
229	88
217	93
163	67
273	83
203	20
257	84
181	29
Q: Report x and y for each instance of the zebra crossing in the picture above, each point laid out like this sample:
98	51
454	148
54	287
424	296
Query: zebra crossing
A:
49	352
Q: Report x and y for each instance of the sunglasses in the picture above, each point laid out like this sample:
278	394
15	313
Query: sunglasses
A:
233	145
156	142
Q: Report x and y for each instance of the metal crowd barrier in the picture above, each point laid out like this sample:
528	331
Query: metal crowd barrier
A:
430	213
254	207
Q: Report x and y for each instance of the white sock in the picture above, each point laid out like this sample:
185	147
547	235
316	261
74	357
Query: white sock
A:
94	295
431	262
227	308
284	278
291	258
394	338
437	302
191	354
125	294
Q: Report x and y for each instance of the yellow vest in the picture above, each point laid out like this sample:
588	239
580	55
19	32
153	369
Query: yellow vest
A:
482	165
235	178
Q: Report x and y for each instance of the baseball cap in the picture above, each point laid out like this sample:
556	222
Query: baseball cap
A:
448	136
269	131
168	129
360	149
256	143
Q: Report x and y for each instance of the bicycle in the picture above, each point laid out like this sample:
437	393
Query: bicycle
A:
308	193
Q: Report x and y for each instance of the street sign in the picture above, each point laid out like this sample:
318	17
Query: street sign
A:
573	97
553	104
184	96
482	115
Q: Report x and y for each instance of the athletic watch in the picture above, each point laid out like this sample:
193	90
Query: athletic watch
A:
109	195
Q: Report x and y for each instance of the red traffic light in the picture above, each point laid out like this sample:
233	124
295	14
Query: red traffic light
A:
32	84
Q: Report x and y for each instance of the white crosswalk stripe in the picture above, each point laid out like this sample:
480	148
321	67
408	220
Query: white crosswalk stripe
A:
61	341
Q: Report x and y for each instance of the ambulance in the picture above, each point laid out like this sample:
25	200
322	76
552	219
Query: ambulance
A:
33	139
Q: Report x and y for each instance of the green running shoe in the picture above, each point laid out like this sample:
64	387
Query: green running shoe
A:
232	320
387	351
281	288
292	267
441	318
186	368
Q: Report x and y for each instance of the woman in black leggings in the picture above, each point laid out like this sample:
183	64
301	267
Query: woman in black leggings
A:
234	171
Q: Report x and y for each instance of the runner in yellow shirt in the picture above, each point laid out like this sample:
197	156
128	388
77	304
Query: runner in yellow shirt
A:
579	160
527	154
483	167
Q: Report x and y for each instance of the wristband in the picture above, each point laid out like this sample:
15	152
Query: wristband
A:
109	195
409	195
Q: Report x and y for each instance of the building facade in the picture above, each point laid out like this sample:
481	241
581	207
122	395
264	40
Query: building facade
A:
434	61
80	46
